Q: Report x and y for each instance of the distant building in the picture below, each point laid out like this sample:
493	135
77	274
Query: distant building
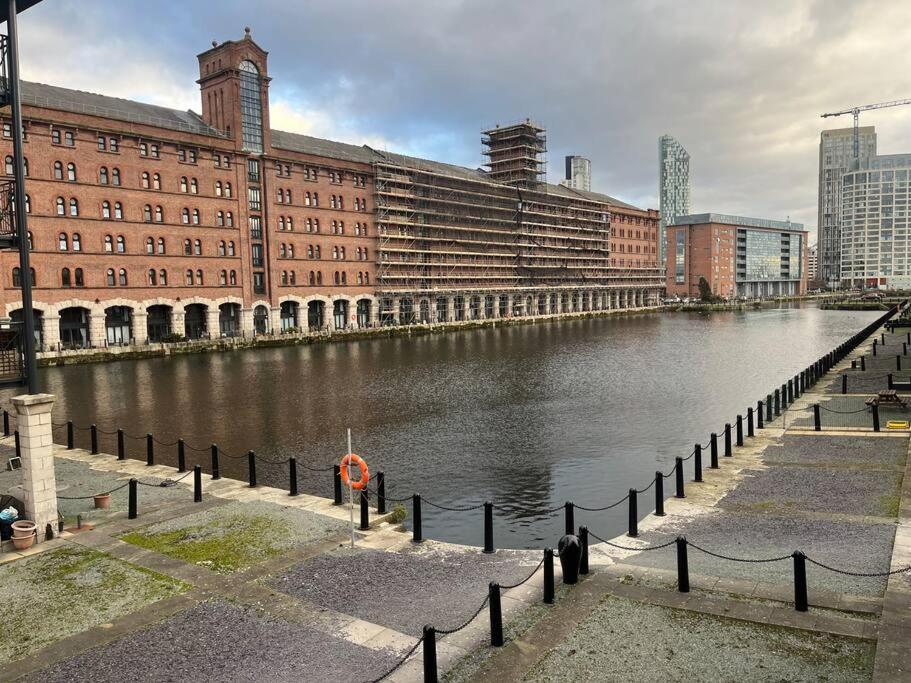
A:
836	157
578	173
813	263
875	245
738	256
673	187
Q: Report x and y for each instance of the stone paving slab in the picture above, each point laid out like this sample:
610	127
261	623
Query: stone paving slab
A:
837	451
814	489
404	590
669	644
851	546
217	641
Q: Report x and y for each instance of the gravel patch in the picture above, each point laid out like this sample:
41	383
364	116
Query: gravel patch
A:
849	546
403	590
216	641
58	593
674	645
816	489
236	535
820	449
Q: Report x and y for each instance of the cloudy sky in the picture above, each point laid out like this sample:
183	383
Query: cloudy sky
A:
740	83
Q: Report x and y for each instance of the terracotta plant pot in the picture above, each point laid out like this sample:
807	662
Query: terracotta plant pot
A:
24	534
103	501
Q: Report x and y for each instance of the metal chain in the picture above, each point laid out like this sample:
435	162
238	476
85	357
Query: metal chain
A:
607	507
400	662
861	574
625	547
526	579
94	494
844	412
446	632
166	482
466	508
737	559
649	486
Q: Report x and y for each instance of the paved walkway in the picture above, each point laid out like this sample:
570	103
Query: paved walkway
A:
840	495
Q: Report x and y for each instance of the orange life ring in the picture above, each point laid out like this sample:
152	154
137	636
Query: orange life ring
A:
365	473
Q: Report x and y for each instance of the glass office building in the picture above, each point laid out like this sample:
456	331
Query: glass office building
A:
673	187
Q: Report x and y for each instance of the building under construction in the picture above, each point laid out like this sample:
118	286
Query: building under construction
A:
462	244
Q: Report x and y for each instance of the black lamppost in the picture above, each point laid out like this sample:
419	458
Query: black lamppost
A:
8	14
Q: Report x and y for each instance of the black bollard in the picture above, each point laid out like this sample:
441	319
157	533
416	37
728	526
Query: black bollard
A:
777	402
768	408
94	432
381	492
817	418
739	431
548	576
430	655
570	551
336	485
697	462
800	582
181	456
150	450
121	450
416	534
488	528
70	440
251	467
659	494
583	540
683	566
292	476
633	526
496	615
133	503
874	347
875	417
6	423
750	422
18	445
678	473
569	517
904	348
365	509
197	484
890	380
784	396
863	363
854	364
215	473
760	409
844	384
713	451
882	336
898	362
790	392
727	439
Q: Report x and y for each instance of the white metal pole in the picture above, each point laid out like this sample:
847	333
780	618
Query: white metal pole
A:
350	490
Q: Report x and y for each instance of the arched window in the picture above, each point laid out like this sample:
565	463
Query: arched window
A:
65	278
198	277
25	166
319	277
311	279
218	189
307	199
121	245
185	216
309	225
108	243
251	107
190	278
220	218
63	241
159	215
344	278
156	181
231	248
161	247
292	277
229	219
316	225
145	180
197	247
335	253
233	278
338	279
123	277
290	251
71	172
105	209
221	248
112	282
31	244
183	183
74	207
223	278
9	165
281	250
309	251
227	189
366	278
118	210
360	278
77	242
194	186
187	248
195	216
58	170
317	250
153	277
28	204
316	203
281	222
61	206
284	277
147	213
115	176
289	224
341	253
163	277
103	175
17	277
150	245
80	281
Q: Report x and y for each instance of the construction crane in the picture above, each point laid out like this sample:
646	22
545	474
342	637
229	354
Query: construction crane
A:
856	112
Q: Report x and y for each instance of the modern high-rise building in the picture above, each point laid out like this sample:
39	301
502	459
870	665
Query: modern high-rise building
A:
673	187
813	263
836	157
578	173
875	240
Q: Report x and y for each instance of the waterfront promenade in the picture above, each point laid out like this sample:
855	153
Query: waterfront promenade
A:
254	583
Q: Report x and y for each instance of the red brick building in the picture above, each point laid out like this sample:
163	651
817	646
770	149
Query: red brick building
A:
148	223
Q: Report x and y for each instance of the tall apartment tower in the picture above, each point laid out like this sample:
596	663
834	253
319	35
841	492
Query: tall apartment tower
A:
578	173
673	187
836	157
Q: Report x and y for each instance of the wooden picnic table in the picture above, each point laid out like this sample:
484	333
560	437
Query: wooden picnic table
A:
888	396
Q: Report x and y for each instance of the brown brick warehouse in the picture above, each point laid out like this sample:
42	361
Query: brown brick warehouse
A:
148	224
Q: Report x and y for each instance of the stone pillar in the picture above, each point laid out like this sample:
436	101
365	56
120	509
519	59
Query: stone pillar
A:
33	416
397	310
374	315
246	320
275	319
98	337
140	327
51	330
177	321
212	327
